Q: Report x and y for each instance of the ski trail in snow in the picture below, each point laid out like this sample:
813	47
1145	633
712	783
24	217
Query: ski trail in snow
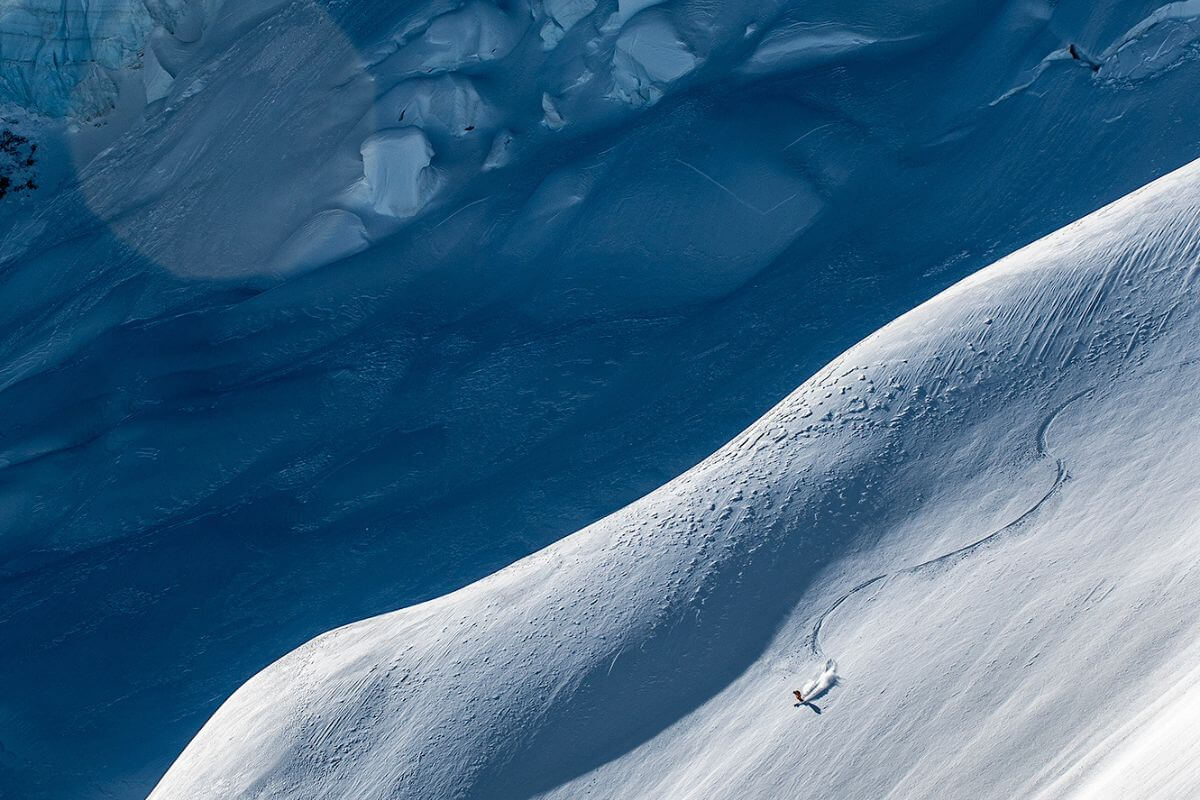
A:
1060	477
804	136
734	194
814	638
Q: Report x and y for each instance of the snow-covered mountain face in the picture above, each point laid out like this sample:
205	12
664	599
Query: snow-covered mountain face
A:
976	532
345	305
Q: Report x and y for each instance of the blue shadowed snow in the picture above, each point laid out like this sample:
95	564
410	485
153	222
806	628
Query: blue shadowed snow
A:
584	260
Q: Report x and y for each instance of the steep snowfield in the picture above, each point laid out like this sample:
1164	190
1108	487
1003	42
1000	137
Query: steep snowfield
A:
985	516
348	304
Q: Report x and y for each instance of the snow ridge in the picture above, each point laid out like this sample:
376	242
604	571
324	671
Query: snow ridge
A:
646	632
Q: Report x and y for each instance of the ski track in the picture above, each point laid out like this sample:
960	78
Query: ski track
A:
1062	475
954	556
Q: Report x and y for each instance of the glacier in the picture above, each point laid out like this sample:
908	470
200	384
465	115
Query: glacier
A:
327	309
64	57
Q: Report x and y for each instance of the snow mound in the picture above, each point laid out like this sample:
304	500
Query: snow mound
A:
397	179
329	236
801	46
977	504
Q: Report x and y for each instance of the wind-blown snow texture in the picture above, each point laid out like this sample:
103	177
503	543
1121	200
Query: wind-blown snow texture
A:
324	309
651	654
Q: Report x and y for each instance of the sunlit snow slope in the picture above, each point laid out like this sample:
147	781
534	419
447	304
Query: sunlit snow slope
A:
329	307
985	515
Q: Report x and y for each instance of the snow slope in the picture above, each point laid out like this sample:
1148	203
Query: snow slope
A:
348	304
985	515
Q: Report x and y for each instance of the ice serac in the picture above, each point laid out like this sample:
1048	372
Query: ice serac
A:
57	56
937	532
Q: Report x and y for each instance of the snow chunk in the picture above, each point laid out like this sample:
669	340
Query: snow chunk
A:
182	19
501	153
649	54
397	178
551	119
155	77
564	15
551	35
569	12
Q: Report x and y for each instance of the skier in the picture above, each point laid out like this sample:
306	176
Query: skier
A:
799	696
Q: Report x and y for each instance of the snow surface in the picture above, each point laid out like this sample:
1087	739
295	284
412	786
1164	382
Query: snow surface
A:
986	512
242	406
